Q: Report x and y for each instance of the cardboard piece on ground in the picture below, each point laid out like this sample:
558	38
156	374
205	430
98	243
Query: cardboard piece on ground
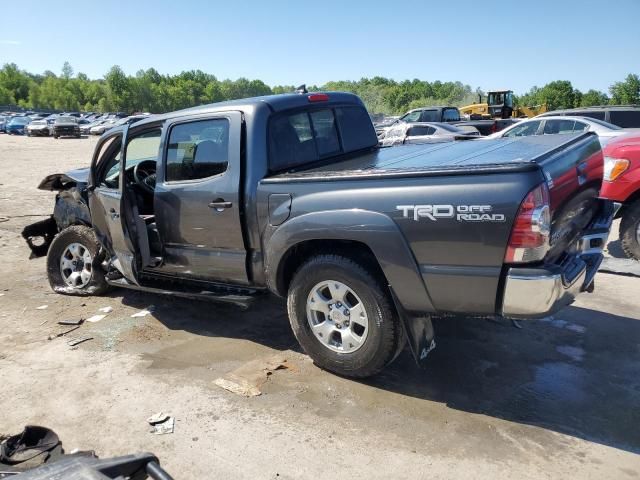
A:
106	309
247	379
161	423
95	318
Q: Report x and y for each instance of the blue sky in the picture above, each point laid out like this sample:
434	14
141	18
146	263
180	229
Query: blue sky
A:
489	44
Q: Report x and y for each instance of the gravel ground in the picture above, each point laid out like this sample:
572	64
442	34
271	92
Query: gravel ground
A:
558	398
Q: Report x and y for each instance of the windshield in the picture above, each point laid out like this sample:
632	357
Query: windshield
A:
20	120
65	120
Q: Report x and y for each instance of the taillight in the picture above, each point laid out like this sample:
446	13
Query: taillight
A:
614	167
529	241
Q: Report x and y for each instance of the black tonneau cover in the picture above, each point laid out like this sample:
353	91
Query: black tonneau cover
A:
468	157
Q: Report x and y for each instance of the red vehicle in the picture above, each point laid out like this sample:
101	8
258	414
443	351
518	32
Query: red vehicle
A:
622	184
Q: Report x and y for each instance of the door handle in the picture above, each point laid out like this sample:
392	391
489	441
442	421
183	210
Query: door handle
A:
113	213
220	205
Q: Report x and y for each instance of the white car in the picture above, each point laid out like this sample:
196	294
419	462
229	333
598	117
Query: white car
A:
103	127
38	128
553	125
426	132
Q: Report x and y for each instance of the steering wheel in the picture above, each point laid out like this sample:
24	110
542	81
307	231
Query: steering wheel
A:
144	173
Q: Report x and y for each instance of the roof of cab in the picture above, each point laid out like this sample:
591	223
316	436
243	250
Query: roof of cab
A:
276	103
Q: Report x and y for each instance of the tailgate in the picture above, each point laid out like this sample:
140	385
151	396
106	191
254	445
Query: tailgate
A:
574	176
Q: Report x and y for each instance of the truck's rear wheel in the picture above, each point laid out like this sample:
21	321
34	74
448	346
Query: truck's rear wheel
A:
73	263
630	231
343	317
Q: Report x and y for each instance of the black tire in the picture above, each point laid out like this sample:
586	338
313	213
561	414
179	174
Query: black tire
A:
385	338
55	136
629	230
85	236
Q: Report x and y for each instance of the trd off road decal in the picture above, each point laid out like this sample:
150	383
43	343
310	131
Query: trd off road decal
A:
461	213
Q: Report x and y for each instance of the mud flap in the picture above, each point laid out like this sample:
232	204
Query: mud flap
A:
419	330
39	236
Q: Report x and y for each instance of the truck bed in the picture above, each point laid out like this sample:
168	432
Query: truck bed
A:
468	157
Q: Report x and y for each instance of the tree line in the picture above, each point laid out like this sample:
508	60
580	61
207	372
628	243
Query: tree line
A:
150	91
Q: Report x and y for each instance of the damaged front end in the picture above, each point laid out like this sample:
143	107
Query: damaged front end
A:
71	208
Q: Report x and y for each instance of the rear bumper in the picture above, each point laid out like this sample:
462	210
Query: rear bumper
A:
541	291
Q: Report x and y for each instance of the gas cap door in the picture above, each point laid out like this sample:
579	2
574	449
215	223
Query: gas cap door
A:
279	208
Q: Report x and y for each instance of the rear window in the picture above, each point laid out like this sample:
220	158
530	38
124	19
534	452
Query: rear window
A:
450	115
300	138
625	118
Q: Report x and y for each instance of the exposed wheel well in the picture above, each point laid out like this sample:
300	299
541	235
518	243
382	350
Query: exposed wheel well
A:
301	252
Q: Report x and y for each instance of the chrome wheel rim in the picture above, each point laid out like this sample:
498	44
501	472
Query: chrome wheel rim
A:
76	265
337	316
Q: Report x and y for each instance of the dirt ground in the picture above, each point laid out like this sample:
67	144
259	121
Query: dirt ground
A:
558	398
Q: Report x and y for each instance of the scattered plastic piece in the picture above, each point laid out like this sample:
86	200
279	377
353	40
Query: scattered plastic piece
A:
247	379
61	334
71	322
162	423
95	318
145	312
106	309
42	307
77	341
158	418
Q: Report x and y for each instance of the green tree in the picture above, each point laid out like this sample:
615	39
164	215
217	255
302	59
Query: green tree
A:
67	71
593	97
626	92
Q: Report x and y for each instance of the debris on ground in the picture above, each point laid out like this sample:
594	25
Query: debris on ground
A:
145	312
106	309
78	321
77	341
42	307
247	379
621	266
162	423
61	334
95	318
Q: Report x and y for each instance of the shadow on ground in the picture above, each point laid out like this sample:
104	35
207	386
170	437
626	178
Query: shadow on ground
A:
577	373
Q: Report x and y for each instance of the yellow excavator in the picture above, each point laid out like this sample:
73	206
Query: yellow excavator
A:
500	104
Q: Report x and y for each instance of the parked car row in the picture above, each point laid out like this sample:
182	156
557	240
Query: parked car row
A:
58	125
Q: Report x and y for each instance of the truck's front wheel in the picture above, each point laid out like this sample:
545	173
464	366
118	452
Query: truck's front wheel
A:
630	231
73	263
343	317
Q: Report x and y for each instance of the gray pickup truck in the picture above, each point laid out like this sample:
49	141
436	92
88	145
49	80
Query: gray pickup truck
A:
290	194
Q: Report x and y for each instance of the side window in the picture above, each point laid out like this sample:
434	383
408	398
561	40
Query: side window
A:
524	130
198	149
589	114
625	118
143	147
108	164
580	127
420	130
412	116
552	127
429	116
